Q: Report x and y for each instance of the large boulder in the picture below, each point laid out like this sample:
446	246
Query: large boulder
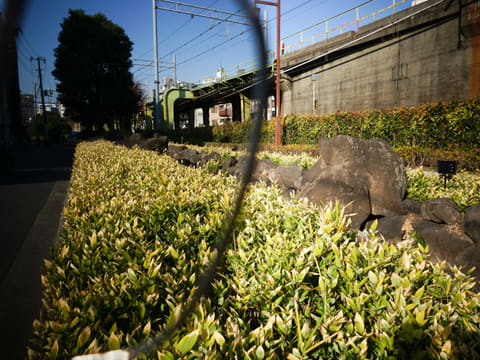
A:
442	211
445	242
158	144
184	155
472	223
392	228
289	177
367	174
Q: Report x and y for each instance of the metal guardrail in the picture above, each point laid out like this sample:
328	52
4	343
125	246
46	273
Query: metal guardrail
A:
352	24
252	64
244	67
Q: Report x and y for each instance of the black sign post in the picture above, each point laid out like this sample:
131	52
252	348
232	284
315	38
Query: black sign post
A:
446	169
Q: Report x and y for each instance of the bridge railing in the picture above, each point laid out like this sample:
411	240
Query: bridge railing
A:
244	67
349	20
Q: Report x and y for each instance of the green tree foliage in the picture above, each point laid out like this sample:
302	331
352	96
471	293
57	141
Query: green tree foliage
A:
92	63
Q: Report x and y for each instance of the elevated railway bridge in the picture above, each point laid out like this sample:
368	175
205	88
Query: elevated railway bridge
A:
421	54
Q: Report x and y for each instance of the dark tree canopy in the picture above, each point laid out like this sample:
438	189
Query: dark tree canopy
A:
92	66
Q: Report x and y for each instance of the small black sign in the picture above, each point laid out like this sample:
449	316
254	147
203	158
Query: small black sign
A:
447	167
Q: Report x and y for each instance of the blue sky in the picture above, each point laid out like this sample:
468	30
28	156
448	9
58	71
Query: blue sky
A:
200	45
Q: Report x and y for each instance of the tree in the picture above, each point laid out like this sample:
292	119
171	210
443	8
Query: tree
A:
92	66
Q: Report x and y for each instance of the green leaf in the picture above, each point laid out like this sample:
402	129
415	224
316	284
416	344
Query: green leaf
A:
219	338
113	342
372	277
359	325
396	280
53	353
419	293
420	318
187	342
83	337
260	352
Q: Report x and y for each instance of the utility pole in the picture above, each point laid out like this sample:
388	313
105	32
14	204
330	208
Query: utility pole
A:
155	54
175	70
38	59
277	96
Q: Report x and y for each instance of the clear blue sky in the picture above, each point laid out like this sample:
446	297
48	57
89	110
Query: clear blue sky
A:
216	44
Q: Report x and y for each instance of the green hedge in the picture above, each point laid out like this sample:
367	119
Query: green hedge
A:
440	125
296	284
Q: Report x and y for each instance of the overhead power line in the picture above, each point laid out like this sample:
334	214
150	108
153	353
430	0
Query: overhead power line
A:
195	10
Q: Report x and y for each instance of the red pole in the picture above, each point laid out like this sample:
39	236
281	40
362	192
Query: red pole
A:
277	97
277	85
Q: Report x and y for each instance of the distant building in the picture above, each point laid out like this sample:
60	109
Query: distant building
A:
49	107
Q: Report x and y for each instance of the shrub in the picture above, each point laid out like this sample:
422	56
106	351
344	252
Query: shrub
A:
297	282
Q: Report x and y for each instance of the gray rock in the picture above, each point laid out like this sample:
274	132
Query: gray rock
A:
390	227
289	176
468	258
410	206
264	170
472	223
387	179
158	144
444	243
204	158
369	173
339	185
187	157
229	163
442	211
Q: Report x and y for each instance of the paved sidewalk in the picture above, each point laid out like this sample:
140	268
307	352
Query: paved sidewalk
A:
32	197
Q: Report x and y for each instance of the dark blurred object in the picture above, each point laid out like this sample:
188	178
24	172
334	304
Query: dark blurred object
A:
10	117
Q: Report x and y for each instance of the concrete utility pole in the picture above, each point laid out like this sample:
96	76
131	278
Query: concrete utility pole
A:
38	59
155	54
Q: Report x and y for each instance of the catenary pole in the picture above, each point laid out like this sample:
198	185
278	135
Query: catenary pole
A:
155	54
277	82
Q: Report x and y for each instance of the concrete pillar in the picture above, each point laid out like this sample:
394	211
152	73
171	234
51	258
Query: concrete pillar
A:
236	108
206	115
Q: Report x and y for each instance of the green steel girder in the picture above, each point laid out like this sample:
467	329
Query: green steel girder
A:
168	104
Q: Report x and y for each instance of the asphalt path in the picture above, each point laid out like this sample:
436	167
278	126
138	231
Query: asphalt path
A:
32	197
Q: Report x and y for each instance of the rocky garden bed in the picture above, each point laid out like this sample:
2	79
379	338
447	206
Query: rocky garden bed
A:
300	280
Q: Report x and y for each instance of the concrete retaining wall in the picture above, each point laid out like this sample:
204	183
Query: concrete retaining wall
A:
414	57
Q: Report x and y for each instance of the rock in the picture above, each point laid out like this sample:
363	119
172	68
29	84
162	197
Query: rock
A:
410	206
368	173
387	179
135	138
339	186
472	223
441	211
289	177
173	149
230	163
444	242
206	157
187	157
239	168
468	258
390	227
264	170
158	144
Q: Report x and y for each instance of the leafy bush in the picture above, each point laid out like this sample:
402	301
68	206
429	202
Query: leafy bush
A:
421	133
463	188
297	282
